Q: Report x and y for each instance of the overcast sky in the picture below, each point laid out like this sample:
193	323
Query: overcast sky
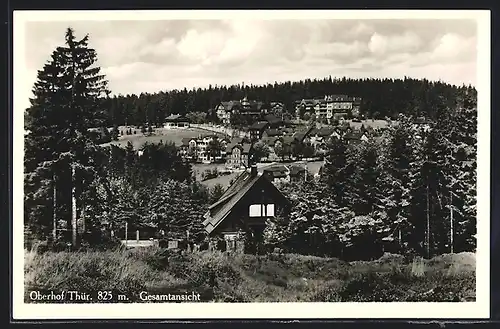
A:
149	56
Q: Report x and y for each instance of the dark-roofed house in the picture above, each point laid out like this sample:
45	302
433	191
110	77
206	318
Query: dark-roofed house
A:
238	154
274	122
257	129
225	109
188	148
355	137
277	108
272	133
176	121
278	173
245	207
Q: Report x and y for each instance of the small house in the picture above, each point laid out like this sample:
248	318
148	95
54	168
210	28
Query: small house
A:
277	174
244	209
174	121
355	137
257	130
273	121
272	133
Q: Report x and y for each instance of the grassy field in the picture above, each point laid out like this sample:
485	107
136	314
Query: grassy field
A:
160	134
223	277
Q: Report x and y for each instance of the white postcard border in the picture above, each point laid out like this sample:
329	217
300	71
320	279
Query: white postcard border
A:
478	309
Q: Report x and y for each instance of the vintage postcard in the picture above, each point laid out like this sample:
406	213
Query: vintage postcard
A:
332	163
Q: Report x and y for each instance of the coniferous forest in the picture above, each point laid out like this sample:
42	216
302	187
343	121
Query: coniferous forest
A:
381	98
409	190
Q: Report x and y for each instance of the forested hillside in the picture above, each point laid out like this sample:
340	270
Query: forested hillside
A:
381	98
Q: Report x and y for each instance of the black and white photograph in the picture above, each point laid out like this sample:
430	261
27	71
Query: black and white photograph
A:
328	162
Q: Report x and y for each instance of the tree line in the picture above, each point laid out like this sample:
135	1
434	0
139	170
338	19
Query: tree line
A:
381	98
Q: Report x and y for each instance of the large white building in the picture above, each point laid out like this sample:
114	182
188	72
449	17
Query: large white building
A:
330	106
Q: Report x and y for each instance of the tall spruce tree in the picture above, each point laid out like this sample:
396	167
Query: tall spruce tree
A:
68	96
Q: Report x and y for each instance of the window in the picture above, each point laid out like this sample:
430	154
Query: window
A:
270	210
259	210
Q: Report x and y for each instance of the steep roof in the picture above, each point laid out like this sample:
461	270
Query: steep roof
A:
276	168
258	126
288	139
220	210
176	117
272	119
276	173
269	140
323	131
338	98
246	147
230	104
231	146
354	135
273	132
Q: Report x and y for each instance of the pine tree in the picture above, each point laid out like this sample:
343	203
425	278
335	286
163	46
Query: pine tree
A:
336	170
68	94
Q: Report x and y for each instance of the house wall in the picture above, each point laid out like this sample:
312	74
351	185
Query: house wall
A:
239	217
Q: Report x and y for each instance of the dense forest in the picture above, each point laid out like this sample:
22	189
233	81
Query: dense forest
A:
381	98
410	189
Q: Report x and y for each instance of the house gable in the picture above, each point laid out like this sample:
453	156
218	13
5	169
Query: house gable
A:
234	203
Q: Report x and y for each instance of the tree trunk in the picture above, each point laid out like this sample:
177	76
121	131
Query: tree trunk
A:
74	226
54	208
451	222
83	217
428	223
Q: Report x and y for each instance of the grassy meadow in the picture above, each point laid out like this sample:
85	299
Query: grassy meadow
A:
160	134
223	277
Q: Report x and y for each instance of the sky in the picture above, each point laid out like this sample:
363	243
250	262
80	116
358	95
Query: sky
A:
150	56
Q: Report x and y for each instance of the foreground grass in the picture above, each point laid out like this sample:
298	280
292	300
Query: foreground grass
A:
247	278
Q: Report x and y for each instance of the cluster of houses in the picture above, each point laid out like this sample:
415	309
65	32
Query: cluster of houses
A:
280	137
327	107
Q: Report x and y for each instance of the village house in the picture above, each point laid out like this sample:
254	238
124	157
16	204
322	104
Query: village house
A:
189	149
257	130
303	106
302	135
285	173
273	121
276	174
225	109
243	209
197	148
254	109
238	154
320	136
356	137
272	133
329	107
277	108
175	121
422	123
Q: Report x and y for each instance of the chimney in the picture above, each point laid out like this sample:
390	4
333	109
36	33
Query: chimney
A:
253	170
